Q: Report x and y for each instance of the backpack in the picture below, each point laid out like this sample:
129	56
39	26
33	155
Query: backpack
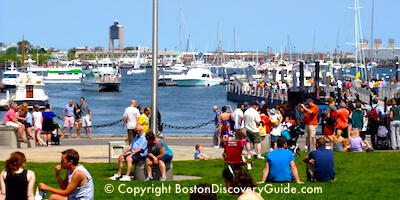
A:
332	117
373	114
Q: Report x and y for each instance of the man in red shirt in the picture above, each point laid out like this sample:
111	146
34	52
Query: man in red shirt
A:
11	121
311	120
342	119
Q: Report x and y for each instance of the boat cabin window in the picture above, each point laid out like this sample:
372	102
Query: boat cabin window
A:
45	74
29	91
61	73
205	75
10	76
76	73
69	73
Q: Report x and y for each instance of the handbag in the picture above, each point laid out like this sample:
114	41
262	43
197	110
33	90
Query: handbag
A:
382	131
263	130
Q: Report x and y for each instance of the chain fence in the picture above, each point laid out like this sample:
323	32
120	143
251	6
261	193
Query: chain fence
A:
162	124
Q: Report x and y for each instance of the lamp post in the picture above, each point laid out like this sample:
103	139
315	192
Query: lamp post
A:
154	70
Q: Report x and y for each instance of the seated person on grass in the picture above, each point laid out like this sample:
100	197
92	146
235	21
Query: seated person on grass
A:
320	163
199	153
280	165
136	151
77	184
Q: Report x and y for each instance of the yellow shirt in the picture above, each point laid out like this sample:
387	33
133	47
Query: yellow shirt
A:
144	121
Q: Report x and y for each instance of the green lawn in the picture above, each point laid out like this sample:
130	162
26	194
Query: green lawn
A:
359	176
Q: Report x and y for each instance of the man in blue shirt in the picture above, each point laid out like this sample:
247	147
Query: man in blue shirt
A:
320	163
280	165
136	151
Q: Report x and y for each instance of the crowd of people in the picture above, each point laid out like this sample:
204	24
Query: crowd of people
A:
40	123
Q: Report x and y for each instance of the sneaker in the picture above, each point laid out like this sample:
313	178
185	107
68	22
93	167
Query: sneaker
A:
125	178
305	148
115	177
216	146
249	166
249	156
259	156
148	178
163	179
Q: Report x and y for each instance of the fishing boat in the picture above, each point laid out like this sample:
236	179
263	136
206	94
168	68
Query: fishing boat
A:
30	89
136	68
197	77
70	73
103	75
10	77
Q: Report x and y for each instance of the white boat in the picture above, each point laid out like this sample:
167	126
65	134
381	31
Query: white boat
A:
30	89
70	73
177	68
101	76
197	77
136	69
10	78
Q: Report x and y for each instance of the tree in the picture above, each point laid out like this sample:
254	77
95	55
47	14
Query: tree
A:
71	54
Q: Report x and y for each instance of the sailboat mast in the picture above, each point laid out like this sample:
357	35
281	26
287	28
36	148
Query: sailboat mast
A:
180	30
23	51
234	42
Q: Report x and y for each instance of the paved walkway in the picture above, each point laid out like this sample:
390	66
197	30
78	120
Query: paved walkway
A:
96	150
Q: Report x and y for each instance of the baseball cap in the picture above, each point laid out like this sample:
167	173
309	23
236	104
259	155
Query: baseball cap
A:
309	100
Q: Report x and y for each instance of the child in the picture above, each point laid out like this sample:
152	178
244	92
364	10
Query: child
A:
224	133
37	122
356	142
199	153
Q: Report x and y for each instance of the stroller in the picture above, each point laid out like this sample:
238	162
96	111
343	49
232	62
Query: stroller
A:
56	134
294	132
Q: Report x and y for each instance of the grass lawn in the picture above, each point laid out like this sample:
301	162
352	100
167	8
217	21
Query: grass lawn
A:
359	176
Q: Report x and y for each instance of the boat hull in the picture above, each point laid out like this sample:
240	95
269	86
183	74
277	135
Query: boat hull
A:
31	103
102	87
196	82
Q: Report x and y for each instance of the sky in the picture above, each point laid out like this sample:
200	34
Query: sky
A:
259	24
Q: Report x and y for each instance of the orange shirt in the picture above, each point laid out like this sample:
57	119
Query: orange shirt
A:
342	119
312	118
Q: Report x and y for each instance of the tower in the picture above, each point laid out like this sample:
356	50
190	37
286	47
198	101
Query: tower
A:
117	33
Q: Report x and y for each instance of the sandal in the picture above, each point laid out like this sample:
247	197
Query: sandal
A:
163	179
148	178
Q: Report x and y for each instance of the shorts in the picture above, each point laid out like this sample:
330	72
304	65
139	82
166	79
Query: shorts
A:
345	133
310	131
240	133
69	121
48	125
165	159
12	124
274	138
86	121
329	130
135	157
253	136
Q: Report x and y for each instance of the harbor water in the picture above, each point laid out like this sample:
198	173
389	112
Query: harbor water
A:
179	106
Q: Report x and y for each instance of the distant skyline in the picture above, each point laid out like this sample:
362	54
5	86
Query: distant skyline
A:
259	24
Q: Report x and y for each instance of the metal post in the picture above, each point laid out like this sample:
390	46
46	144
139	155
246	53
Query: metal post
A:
154	74
301	76
397	70
316	82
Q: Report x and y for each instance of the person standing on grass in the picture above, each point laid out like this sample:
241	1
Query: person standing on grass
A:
330	119
394	116
131	116
86	117
252	121
77	184
68	118
342	120
16	182
320	163
136	151
311	120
